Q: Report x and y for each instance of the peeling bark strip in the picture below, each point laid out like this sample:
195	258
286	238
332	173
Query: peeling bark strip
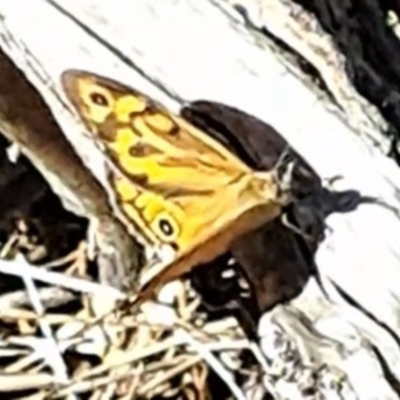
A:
202	52
302	33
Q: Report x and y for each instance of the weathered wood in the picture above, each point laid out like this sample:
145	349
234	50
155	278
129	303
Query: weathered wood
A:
198	51
302	33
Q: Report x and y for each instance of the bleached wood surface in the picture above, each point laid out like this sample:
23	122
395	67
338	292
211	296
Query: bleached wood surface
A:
198	51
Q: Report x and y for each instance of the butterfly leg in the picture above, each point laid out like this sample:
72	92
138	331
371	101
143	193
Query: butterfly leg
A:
294	228
284	169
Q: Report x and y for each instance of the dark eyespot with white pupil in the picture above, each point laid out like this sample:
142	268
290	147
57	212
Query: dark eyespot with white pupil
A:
165	227
99	99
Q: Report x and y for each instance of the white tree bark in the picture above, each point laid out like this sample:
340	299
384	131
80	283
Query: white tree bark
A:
195	49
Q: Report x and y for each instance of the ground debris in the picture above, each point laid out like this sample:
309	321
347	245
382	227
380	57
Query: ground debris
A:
50	343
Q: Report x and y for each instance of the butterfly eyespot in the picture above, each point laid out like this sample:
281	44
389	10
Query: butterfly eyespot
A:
99	99
165	227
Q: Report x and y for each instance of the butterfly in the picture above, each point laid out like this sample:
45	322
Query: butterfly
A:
176	188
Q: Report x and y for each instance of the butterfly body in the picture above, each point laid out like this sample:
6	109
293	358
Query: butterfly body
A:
175	185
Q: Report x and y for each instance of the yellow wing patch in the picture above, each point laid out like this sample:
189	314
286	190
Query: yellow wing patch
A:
171	180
